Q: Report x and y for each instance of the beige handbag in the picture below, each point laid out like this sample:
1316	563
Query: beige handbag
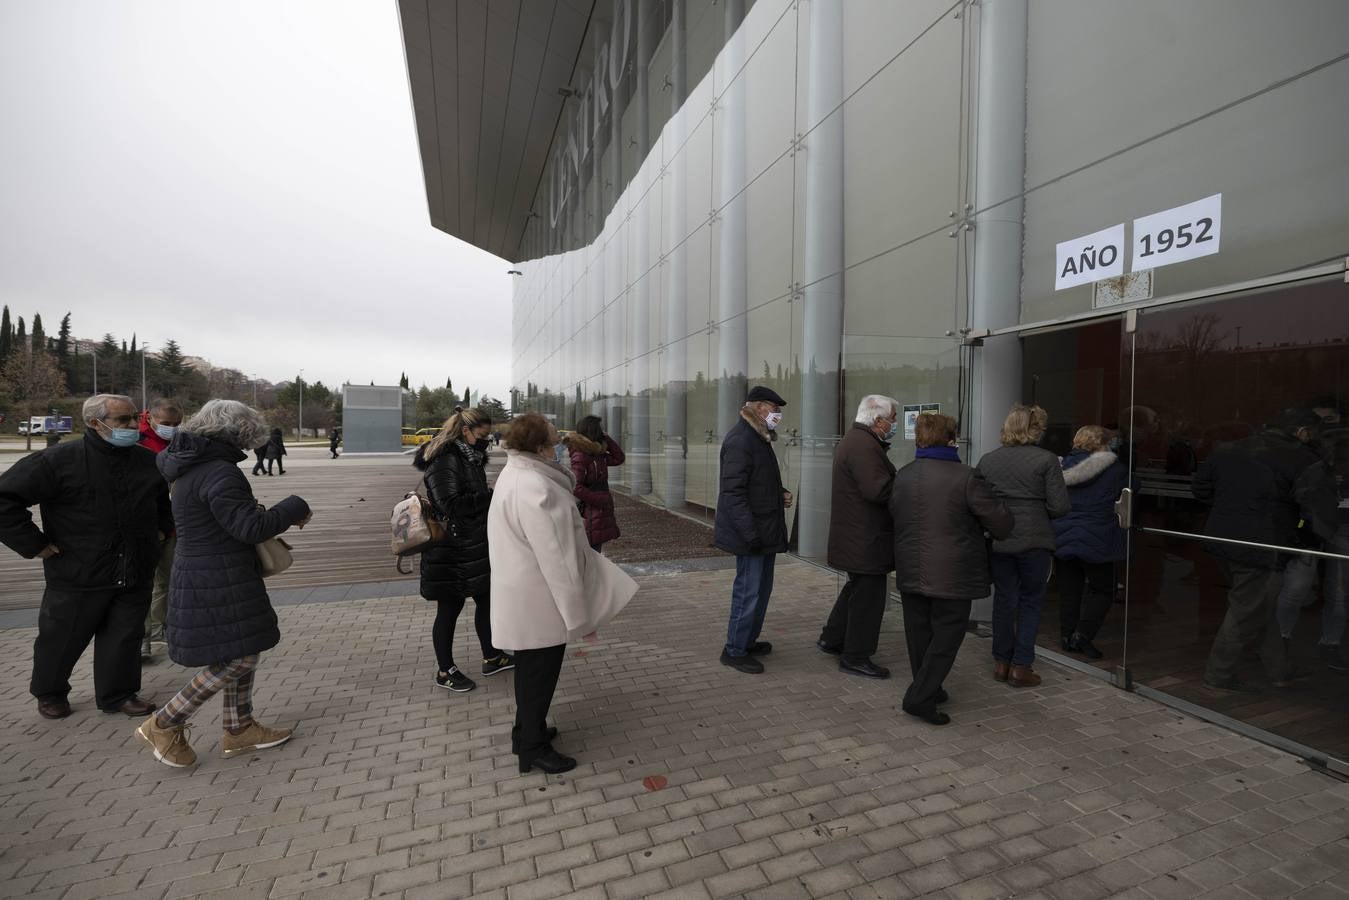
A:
274	556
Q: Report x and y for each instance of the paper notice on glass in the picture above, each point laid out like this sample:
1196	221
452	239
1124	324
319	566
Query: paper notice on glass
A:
911	413
1089	258
1179	234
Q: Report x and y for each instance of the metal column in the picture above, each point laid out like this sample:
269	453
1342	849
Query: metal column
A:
676	298
732	280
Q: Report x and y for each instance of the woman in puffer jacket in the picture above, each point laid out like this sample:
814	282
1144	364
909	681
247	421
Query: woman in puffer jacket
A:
1088	541
592	453
455	568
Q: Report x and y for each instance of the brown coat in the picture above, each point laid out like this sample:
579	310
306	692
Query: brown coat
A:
861	530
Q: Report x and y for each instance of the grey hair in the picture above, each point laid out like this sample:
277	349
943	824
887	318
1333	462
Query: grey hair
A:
876	406
230	421
96	407
162	405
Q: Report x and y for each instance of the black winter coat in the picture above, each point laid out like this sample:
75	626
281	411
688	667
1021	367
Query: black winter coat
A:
458	566
103	506
861	529
1260	488
942	509
218	606
750	518
1090	532
276	446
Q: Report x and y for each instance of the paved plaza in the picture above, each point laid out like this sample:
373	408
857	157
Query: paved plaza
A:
695	781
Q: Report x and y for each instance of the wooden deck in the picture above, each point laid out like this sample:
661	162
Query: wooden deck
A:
1177	601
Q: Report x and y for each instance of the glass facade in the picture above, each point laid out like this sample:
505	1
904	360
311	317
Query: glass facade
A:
837	199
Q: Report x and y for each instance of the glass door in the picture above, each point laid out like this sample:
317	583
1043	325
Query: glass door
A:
1238	572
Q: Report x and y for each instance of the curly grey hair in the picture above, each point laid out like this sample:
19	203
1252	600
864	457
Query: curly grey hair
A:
230	421
876	406
96	407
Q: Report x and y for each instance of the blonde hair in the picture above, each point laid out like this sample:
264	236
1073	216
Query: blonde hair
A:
453	429
1024	425
1091	438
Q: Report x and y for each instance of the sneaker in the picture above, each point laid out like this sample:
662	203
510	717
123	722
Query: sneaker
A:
1333	659
169	744
454	680
255	737
747	664
502	663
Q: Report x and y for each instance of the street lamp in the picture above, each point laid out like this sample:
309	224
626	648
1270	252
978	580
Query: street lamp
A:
145	403
300	384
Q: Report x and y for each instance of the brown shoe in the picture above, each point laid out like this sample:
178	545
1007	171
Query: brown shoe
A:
170	744
1000	670
1023	676
256	737
53	709
133	706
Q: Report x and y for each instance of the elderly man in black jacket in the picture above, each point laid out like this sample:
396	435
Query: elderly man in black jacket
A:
1260	488
750	523
105	510
862	536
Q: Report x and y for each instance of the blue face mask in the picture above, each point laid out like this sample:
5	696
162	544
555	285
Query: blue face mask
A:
166	431
122	437
1116	444
890	435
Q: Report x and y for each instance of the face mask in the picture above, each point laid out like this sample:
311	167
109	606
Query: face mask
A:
166	431
772	420
1115	444
122	437
890	435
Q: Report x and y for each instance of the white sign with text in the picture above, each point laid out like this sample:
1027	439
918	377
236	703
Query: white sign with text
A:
1179	234
1089	258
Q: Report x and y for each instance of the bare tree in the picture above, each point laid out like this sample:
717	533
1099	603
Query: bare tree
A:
32	379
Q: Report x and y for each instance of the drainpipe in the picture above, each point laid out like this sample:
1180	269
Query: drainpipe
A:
1000	178
823	272
676	349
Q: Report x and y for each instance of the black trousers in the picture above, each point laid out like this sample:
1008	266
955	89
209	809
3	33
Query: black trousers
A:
536	674
68	621
442	630
1251	621
855	621
260	466
934	629
1086	592
279	464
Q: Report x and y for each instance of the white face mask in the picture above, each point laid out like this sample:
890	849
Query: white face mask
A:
772	419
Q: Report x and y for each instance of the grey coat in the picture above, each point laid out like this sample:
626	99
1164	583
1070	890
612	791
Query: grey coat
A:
1029	480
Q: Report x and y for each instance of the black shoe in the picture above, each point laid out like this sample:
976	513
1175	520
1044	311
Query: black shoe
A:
747	664
454	680
942	696
931	716
550	762
759	648
549	734
866	668
1066	643
1332	658
1231	685
53	709
825	648
1082	644
501	663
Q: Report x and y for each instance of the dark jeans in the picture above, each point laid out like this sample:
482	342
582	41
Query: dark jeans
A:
1079	614
934	629
854	624
1252	605
1018	596
536	674
442	630
279	464
113	620
749	601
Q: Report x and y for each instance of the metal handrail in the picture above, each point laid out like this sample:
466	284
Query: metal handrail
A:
1275	547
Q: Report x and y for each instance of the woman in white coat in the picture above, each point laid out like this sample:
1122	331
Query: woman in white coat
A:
548	586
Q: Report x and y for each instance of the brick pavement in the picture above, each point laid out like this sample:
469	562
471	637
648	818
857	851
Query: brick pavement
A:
695	781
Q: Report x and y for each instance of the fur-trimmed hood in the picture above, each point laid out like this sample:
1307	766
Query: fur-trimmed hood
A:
579	442
757	424
1079	469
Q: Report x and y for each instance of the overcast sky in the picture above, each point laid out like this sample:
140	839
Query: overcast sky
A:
242	177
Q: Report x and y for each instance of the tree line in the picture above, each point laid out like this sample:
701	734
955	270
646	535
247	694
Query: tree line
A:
41	373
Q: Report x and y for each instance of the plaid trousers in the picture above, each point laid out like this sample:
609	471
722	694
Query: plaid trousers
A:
234	677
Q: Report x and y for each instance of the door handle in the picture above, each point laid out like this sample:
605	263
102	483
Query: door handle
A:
1124	509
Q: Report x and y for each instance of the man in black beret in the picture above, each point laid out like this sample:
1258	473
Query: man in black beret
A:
751	523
